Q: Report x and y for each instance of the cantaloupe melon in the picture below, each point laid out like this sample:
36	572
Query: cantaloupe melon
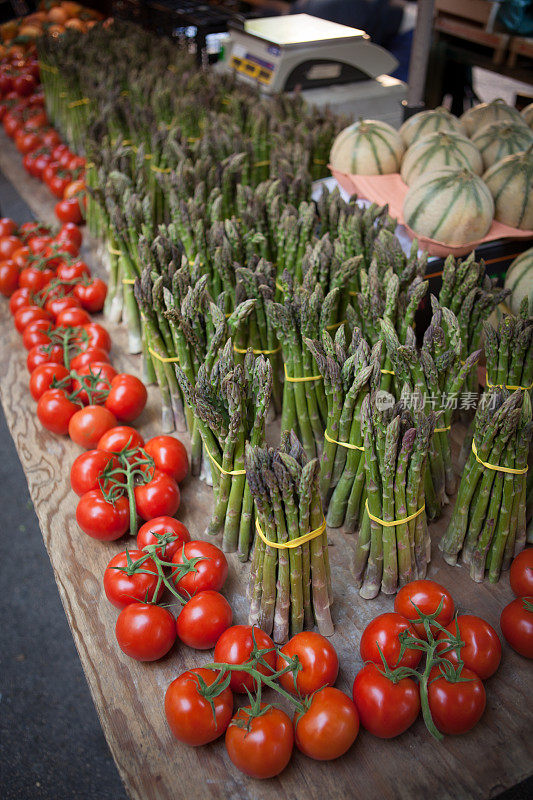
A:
499	139
510	182
495	111
527	115
449	205
368	147
436	119
437	150
519	280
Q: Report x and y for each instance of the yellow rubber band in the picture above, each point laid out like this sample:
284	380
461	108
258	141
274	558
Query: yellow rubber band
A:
393	522
228	315
113	251
148	156
47	68
442	430
172	68
222	470
167	360
506	386
335	325
163	170
496	467
261	163
257	352
319	161
90	165
279	286
343	444
124	93
301	380
388	372
352	293
291	543
128	281
193	139
82	102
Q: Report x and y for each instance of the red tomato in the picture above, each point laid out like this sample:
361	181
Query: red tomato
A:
95	378
9	278
482	650
100	519
35	279
384	631
516	622
54	410
8	246
260	746
38	244
170	456
87	468
173	531
521	574
236	645
69	210
318	659
27	141
210	571
55	305
72	317
88	425
91	295
127	399
386	708
75	188
126	582
7	226
44	354
160	497
329	727
97	334
145	632
58	182
190	715
19	299
70	233
92	355
77	269
51	138
27	314
20	257
37	332
203	619
24	84
43	375
426	595
119	438
456	706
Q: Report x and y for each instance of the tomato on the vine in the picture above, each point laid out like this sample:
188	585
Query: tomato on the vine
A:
173	530
87	468
521	574
235	646
126	399
69	210
42	377
101	519
88	425
386	707
69	232
92	355
260	746
145	632
203	619
75	269
73	317
97	336
318	659
119	438
169	455
55	410
210	570
37	332
9	278
125	583
57	305
482	649
383	633
426	595
456	706
516	622
159	497
194	716
95	379
91	294
329	726
26	314
19	299
35	279
8	245
44	354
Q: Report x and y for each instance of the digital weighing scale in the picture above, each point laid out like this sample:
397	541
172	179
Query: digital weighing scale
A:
331	64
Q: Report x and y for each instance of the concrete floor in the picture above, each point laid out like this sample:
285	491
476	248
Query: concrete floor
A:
51	743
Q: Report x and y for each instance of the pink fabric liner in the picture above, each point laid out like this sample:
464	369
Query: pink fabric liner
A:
391	190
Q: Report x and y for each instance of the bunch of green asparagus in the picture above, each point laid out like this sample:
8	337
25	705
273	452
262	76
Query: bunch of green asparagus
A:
290	587
393	545
436	371
230	403
349	373
488	526
509	351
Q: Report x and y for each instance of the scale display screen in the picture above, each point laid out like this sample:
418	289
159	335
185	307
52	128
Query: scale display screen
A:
299	29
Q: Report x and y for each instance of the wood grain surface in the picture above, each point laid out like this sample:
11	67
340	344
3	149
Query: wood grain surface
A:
129	695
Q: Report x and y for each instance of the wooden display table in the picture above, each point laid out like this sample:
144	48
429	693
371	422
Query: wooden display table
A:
129	695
